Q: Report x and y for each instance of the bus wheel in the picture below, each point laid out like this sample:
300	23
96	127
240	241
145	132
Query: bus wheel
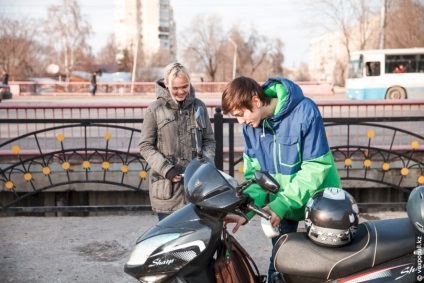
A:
396	93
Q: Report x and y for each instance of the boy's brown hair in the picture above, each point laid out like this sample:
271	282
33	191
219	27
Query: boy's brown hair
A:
239	92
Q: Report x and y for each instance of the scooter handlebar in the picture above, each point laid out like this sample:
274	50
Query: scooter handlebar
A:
259	211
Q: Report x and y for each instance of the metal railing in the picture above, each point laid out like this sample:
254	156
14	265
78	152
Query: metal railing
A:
45	148
124	88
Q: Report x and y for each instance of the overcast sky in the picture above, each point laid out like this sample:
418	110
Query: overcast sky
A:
274	18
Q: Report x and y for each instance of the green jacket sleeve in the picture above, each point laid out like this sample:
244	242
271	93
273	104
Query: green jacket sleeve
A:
314	175
255	191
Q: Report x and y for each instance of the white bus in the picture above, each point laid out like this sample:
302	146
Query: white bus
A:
386	74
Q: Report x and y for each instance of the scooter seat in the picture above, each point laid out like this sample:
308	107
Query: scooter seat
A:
375	242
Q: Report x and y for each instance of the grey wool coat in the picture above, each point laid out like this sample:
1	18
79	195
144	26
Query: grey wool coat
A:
166	142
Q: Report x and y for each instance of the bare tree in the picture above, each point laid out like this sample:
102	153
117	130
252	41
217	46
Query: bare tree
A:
21	52
125	59
153	65
364	15
365	24
257	56
383	22
205	42
401	21
277	57
405	24
67	30
300	73
353	24
351	18
107	55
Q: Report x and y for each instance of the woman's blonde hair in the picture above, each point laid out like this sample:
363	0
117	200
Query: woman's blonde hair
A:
174	70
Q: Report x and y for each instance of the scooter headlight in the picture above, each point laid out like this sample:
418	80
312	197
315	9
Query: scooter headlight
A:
145	248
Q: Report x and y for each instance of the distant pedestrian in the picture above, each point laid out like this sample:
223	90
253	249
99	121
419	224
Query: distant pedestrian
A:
4	77
93	84
408	67
399	69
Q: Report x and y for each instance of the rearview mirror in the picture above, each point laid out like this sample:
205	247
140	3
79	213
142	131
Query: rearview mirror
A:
266	181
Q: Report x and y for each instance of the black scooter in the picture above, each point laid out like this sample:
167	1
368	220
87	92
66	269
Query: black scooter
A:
382	251
181	247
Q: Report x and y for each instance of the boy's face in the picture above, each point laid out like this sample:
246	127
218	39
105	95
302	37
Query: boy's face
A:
250	118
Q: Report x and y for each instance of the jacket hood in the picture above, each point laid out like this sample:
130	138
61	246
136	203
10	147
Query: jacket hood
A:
163	94
288	93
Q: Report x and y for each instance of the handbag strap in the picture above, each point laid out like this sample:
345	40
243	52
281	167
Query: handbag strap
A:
229	240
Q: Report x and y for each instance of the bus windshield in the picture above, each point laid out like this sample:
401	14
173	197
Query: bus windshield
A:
355	66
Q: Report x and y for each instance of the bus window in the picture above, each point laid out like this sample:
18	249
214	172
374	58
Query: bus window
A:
420	63
372	69
392	63
411	63
402	63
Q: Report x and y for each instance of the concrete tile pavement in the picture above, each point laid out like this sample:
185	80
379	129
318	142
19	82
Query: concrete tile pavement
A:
95	249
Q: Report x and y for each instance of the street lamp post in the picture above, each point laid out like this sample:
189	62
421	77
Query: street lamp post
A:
135	62
137	42
235	57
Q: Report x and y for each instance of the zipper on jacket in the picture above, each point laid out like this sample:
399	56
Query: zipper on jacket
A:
274	145
181	106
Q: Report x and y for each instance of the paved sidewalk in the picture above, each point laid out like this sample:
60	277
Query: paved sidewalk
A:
95	249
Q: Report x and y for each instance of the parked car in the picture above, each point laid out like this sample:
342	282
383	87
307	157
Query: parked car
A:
5	92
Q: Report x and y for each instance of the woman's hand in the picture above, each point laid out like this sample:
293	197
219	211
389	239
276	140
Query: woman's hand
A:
174	175
275	220
234	219
177	178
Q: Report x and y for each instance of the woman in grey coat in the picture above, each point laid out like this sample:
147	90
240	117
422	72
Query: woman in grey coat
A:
167	142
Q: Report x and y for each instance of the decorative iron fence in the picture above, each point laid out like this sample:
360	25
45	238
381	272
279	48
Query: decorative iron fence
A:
68	154
128	88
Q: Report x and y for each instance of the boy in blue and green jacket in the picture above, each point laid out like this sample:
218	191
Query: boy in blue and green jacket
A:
285	136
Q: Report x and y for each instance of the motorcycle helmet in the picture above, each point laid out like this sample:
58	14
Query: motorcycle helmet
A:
331	217
415	208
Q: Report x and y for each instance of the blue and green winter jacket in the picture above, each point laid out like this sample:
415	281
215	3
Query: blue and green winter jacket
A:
292	146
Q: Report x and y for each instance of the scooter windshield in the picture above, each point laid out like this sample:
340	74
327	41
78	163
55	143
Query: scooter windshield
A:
206	186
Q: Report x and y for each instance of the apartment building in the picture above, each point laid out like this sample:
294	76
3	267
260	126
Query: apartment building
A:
146	24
